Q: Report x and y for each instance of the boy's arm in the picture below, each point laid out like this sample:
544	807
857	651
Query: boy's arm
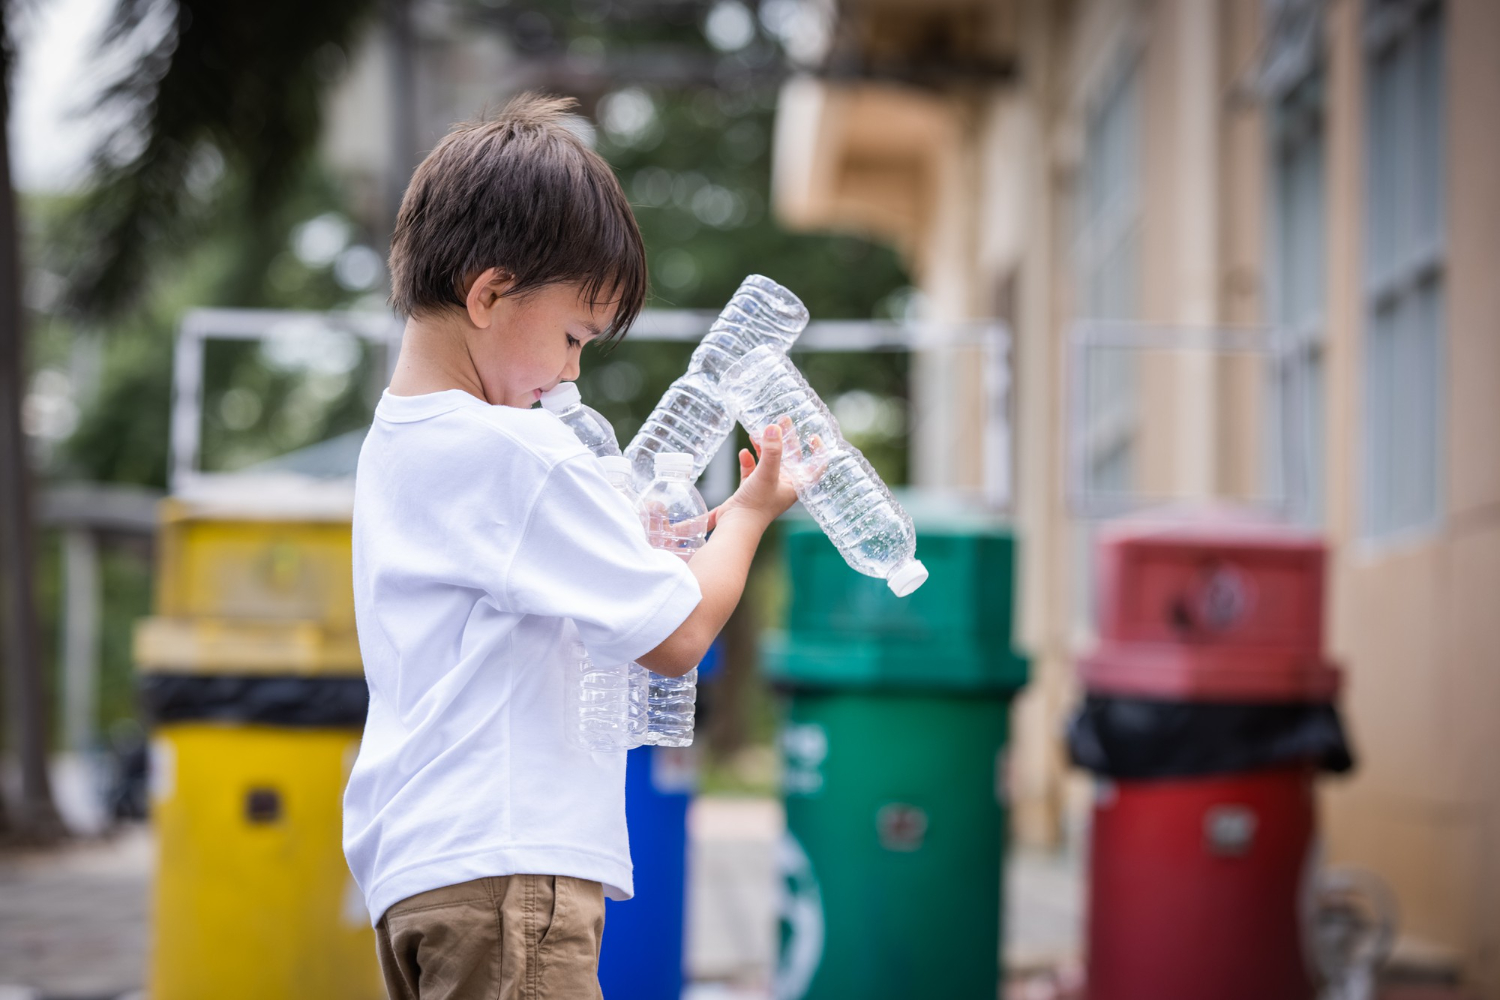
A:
723	563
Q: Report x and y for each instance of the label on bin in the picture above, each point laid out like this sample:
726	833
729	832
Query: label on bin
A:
805	746
902	826
1229	831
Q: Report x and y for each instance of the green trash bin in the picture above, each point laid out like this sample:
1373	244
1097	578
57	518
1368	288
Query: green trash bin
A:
895	743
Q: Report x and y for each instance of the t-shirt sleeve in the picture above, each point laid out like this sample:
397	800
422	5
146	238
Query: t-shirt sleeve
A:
582	555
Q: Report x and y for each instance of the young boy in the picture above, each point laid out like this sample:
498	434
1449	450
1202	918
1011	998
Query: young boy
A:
486	543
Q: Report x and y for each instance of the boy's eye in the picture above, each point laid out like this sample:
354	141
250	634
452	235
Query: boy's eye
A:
574	341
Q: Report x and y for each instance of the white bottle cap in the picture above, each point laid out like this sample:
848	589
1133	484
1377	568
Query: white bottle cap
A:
669	462
615	466
561	396
907	578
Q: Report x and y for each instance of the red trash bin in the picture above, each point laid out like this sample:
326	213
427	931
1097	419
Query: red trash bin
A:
1209	711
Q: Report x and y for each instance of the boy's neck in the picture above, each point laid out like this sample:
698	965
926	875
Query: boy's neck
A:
435	357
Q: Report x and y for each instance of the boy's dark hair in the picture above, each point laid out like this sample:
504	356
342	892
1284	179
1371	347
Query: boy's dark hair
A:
520	192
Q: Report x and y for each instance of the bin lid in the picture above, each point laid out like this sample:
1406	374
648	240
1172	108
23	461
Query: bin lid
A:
1209	605
1202	673
875	662
970	562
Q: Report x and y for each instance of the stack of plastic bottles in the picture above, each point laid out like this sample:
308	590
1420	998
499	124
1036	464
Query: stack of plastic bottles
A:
740	370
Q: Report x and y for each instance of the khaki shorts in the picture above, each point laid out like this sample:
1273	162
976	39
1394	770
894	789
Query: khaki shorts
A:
510	937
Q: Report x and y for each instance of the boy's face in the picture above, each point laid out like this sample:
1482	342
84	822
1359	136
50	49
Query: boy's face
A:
533	341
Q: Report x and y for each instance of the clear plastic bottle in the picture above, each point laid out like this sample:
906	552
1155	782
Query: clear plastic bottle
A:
606	704
592	429
676	520
617	471
691	416
834	482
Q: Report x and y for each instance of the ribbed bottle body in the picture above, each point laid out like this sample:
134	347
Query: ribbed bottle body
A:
606	705
842	493
676	520
671	709
691	416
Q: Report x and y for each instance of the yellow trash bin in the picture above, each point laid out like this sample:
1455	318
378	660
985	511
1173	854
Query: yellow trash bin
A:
250	672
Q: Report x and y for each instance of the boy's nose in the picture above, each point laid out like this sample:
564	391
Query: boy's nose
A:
571	370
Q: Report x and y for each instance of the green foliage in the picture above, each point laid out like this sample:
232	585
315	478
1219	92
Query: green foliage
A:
227	89
123	433
258	405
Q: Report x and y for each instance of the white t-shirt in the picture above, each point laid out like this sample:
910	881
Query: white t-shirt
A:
487	541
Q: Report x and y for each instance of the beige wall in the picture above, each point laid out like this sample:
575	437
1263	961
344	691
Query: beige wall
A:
1417	623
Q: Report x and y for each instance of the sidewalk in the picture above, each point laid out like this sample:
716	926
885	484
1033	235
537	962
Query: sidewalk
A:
74	922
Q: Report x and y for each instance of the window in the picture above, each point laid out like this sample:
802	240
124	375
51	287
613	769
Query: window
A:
1108	255
1296	467
1404	266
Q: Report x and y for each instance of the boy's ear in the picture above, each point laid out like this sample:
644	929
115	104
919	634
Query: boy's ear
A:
485	293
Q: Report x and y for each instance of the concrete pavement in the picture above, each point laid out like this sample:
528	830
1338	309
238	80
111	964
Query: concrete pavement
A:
74	921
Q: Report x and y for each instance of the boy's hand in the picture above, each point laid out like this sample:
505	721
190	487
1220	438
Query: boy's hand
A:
769	488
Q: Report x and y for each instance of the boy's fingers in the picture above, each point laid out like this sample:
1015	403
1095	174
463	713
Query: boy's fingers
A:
747	462
770	452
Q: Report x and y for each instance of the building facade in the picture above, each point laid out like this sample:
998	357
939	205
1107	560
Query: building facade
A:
1328	169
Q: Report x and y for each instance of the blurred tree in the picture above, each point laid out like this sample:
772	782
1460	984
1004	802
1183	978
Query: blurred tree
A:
218	112
122	433
34	817
208	85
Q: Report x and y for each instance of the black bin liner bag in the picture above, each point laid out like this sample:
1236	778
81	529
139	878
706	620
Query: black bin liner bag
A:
1140	738
273	701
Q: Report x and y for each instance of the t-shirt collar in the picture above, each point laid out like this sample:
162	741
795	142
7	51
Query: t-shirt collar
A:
402	409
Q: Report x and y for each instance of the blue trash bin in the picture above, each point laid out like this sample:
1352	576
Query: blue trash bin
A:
641	958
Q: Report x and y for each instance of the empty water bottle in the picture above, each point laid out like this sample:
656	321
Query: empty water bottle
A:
676	520
592	429
606	704
692	417
617	471
834	482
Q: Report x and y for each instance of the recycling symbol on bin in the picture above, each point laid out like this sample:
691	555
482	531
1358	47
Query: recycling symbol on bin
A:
1219	598
799	907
